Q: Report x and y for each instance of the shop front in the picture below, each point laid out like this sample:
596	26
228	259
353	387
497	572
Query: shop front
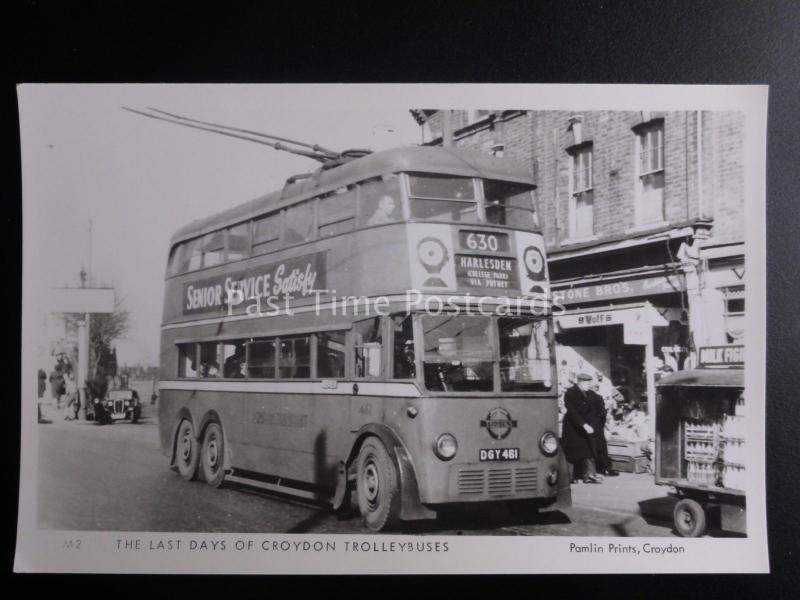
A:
627	343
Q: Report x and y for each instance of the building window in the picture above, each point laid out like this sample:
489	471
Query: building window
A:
581	207
650	173
734	313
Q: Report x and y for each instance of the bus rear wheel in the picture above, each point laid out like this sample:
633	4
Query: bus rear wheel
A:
377	486
212	455
186	451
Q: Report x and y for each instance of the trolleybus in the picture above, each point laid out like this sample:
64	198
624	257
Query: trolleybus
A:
377	327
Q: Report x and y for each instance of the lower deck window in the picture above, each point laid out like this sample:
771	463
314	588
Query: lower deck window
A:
187	360
261	359
331	354
294	360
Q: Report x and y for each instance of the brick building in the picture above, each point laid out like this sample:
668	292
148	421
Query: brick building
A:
642	214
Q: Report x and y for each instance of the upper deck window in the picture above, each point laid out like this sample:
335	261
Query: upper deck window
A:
238	242
266	233
192	255
379	201
300	222
174	266
443	198
337	212
509	204
213	249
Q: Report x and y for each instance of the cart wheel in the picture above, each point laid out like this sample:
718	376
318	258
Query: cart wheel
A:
690	518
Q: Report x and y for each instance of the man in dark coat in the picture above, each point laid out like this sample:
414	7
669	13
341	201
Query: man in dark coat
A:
597	419
578	434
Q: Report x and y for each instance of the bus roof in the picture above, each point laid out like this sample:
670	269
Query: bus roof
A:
420	159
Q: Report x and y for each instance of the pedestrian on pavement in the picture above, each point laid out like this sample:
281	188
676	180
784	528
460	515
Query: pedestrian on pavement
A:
578	433
57	384
41	381
597	419
73	401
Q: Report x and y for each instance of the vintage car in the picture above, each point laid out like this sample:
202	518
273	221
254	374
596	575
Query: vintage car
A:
123	404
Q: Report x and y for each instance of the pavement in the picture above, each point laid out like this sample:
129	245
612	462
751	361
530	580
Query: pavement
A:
115	478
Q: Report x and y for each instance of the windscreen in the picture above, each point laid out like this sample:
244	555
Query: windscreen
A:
458	353
525	364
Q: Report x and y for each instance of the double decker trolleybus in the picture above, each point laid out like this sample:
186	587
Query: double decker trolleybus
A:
377	327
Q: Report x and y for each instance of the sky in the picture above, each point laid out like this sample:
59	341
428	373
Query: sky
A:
139	179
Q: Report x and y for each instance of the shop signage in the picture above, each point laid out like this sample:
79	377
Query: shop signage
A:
662	284
292	278
487	272
721	356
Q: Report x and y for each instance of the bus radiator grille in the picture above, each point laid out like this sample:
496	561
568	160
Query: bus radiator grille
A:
497	482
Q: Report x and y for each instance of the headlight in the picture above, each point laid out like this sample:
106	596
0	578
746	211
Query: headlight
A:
548	443
445	446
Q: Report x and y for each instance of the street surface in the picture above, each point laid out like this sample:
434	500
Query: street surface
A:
115	478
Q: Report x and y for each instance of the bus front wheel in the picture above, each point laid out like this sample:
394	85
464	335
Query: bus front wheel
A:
212	455
377	486
186	451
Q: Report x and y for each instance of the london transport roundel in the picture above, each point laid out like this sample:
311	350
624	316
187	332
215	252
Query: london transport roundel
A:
432	253
534	261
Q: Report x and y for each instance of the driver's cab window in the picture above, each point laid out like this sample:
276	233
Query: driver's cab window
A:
368	347
403	361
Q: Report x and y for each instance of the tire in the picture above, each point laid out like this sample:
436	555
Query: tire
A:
690	518
377	486
186	451
212	455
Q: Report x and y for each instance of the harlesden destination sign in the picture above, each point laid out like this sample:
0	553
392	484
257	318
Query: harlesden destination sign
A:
487	272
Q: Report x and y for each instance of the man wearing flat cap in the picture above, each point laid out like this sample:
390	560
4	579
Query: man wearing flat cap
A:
578	434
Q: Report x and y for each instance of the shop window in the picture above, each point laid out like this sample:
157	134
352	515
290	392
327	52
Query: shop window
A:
261	359
734	314
294	359
650	173
266	233
581	207
368	347
403	362
300	222
238	242
337	212
187	360
379	201
331	354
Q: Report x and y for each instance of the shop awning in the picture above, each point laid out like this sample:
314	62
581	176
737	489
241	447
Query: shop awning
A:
704	378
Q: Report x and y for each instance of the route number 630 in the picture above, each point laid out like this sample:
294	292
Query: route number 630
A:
482	241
